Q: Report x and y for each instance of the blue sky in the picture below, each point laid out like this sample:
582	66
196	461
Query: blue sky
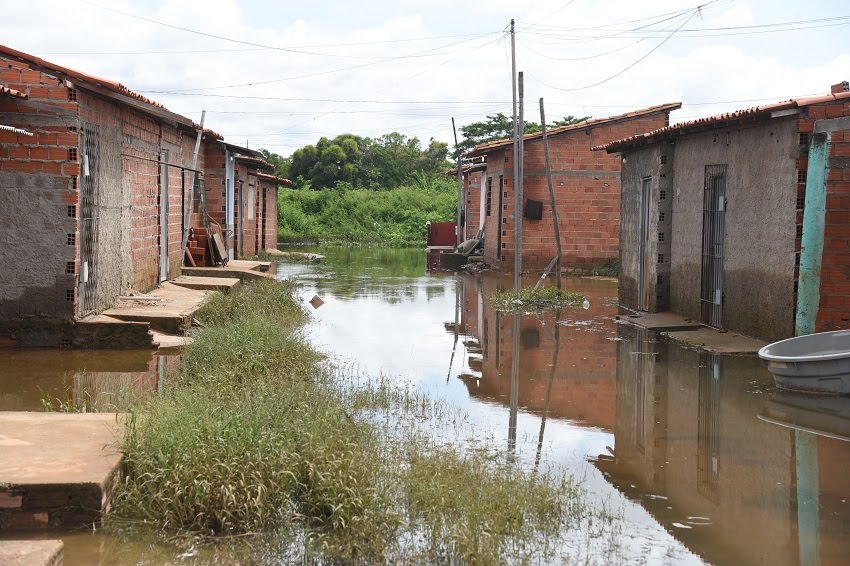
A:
281	74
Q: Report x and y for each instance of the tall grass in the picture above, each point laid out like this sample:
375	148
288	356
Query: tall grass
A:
393	217
256	434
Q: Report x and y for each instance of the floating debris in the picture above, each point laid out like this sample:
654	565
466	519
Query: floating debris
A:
316	301
530	299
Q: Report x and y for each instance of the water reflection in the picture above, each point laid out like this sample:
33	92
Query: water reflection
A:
691	448
104	381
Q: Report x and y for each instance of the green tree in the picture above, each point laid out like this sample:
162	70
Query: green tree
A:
281	164
499	127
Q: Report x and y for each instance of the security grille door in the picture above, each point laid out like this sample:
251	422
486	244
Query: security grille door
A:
163	216
88	220
645	187
713	230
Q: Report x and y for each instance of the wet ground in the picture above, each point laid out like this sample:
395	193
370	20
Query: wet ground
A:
703	458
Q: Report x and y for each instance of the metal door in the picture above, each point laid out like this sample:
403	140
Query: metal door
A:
713	231
88	221
163	215
643	268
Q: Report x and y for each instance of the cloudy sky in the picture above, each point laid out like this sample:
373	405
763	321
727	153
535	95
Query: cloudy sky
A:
279	75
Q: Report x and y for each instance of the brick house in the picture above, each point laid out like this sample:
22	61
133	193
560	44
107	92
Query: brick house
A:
742	220
241	178
587	192
95	198
474	190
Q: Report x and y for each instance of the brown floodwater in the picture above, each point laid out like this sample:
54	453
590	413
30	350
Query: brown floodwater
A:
701	457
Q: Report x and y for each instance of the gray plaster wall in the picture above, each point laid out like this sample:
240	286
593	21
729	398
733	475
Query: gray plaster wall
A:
760	230
634	168
34	255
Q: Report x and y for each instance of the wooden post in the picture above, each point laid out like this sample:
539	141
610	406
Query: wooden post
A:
459	236
551	196
188	215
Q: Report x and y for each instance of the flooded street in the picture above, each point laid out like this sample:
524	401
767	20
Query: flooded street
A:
704	460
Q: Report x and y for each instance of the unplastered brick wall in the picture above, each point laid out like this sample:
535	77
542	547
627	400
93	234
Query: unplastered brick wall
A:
141	147
472	205
834	307
587	193
214	183
246	195
267	215
496	233
179	145
39	193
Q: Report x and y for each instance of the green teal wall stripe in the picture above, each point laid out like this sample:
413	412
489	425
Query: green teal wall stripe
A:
811	252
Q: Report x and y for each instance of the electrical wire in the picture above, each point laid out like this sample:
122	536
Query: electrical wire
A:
618	73
320	73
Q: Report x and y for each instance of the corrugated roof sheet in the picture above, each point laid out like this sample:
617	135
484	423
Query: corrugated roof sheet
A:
499	144
279	180
12	92
717	120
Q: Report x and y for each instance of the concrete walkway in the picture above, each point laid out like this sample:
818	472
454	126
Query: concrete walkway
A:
31	552
57	470
695	334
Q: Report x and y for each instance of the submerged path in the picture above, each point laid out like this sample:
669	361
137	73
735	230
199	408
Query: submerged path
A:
57	470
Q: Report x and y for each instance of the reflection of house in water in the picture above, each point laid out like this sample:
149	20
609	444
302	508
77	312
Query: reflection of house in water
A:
735	489
82	381
582	388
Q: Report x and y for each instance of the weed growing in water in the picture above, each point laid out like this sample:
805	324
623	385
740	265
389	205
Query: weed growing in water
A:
256	434
529	299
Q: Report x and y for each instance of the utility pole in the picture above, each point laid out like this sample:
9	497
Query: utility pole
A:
517	261
460	203
518	200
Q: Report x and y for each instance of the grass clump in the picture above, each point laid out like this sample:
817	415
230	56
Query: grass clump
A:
531	299
257	435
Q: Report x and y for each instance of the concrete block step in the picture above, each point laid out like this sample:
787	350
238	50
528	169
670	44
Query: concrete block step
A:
207	283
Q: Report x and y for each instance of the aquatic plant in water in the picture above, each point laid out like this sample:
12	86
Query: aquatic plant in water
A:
258	435
530	299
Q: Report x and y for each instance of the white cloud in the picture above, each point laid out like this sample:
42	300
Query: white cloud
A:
451	66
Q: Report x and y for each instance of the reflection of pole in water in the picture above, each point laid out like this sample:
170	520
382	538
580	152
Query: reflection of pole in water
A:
555	353
458	299
514	387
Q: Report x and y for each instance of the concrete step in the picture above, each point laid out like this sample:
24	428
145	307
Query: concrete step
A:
170	313
57	470
207	283
107	332
228	271
31	552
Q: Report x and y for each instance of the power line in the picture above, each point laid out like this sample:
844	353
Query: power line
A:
320	73
618	73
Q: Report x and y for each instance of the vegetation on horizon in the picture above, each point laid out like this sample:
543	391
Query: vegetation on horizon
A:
347	215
